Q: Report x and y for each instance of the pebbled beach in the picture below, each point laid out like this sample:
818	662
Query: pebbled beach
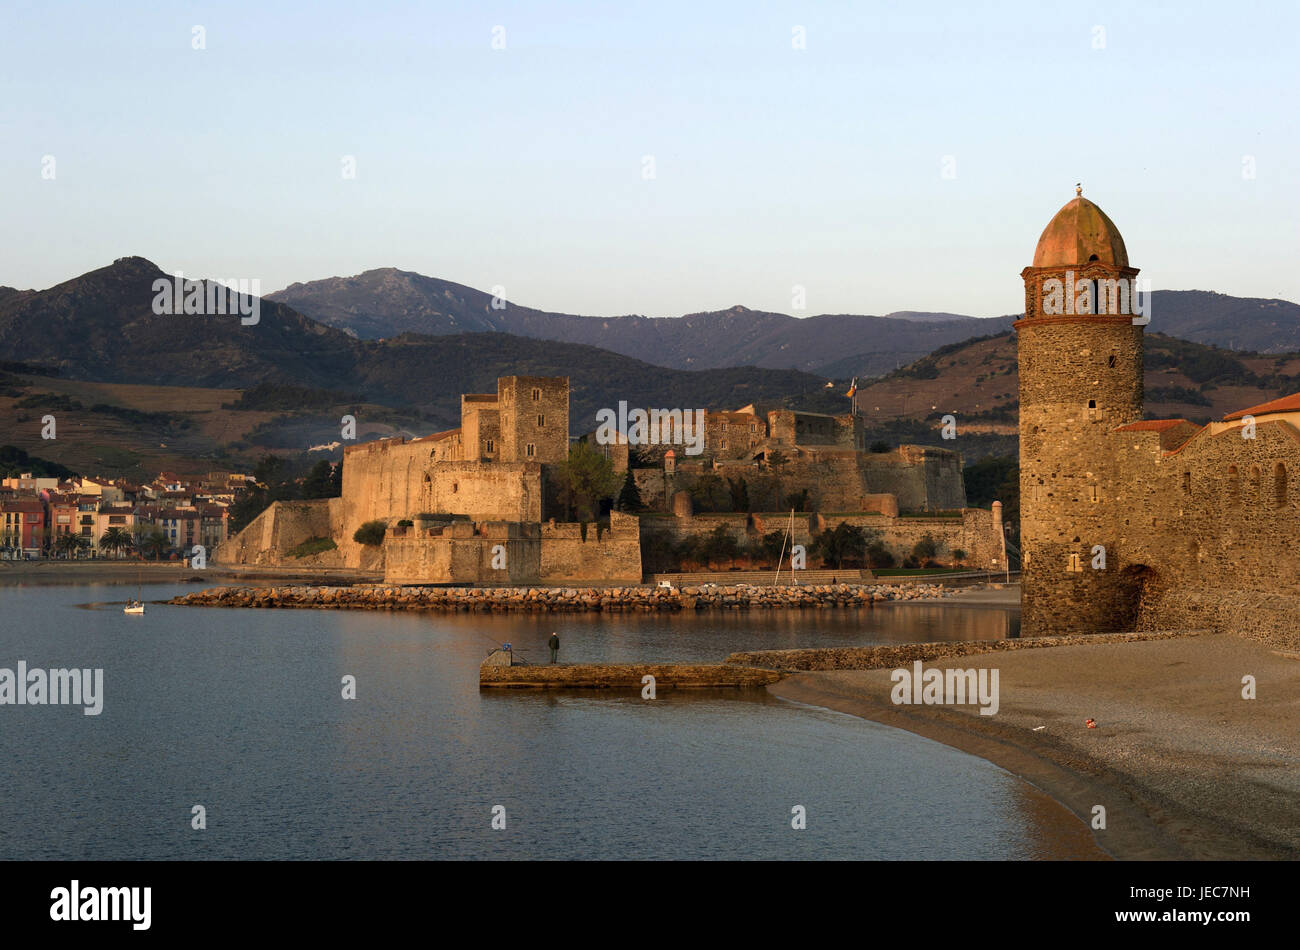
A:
1185	767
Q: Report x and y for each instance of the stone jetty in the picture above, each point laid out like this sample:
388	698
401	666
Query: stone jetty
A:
904	654
624	676
561	599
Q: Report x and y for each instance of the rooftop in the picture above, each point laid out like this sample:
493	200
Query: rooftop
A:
1284	404
1079	233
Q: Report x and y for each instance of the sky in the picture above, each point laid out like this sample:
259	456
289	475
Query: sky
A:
657	158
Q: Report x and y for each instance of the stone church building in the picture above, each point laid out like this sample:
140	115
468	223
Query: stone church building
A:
1132	523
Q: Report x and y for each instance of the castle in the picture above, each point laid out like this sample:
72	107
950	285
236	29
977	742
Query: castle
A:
1129	523
484	503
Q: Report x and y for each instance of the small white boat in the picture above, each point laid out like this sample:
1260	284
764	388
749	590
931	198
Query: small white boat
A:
136	606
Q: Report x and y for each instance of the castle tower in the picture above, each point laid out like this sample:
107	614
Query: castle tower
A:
533	416
1080	363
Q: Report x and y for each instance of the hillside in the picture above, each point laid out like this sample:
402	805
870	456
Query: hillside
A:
134	392
978	382
389	302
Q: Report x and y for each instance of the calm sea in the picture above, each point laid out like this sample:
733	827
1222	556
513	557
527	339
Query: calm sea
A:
241	711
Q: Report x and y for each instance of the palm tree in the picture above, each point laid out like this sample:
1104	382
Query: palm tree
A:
116	540
154	542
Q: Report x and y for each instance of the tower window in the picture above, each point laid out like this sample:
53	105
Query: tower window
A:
1092	410
1075	566
541	421
1187	484
530	450
490	446
1110	361
537	395
1092	492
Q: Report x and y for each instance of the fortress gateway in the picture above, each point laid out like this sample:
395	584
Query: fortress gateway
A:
1130	523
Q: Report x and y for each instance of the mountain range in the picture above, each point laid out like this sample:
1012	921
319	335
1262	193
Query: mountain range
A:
101	327
138	389
386	302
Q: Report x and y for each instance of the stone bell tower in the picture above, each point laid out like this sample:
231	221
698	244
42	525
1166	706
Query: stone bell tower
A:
1080	357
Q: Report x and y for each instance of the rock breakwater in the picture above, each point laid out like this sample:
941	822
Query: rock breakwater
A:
561	599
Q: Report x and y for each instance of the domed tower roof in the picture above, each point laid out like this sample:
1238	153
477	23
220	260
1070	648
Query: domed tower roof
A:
1080	232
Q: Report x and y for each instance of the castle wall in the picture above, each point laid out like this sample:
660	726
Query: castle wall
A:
267	539
974	531
1215	529
920	478
393	479
547	554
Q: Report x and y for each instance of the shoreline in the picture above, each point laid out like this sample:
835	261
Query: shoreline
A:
1175	783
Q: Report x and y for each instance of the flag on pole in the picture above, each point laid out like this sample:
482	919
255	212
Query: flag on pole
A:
853	387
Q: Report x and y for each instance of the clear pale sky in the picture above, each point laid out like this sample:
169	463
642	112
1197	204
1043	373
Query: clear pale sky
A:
774	166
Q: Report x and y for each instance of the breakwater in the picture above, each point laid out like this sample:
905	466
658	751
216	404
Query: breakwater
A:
887	657
625	676
560	599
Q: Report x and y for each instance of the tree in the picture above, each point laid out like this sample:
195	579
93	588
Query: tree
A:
318	483
588	478
629	498
709	492
70	544
371	533
926	548
777	460
739	490
116	540
153	541
879	556
719	545
797	500
845	542
658	552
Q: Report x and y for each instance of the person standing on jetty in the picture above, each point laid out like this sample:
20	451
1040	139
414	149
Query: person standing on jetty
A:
554	644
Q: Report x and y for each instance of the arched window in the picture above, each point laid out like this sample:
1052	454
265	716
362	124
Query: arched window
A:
1279	485
1092	410
1187	483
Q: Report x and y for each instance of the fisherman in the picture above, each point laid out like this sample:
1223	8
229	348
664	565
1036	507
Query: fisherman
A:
554	644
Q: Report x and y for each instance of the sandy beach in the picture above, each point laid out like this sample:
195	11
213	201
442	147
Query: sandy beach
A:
1184	766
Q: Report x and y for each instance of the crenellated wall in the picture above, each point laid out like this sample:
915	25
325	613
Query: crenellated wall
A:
497	553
